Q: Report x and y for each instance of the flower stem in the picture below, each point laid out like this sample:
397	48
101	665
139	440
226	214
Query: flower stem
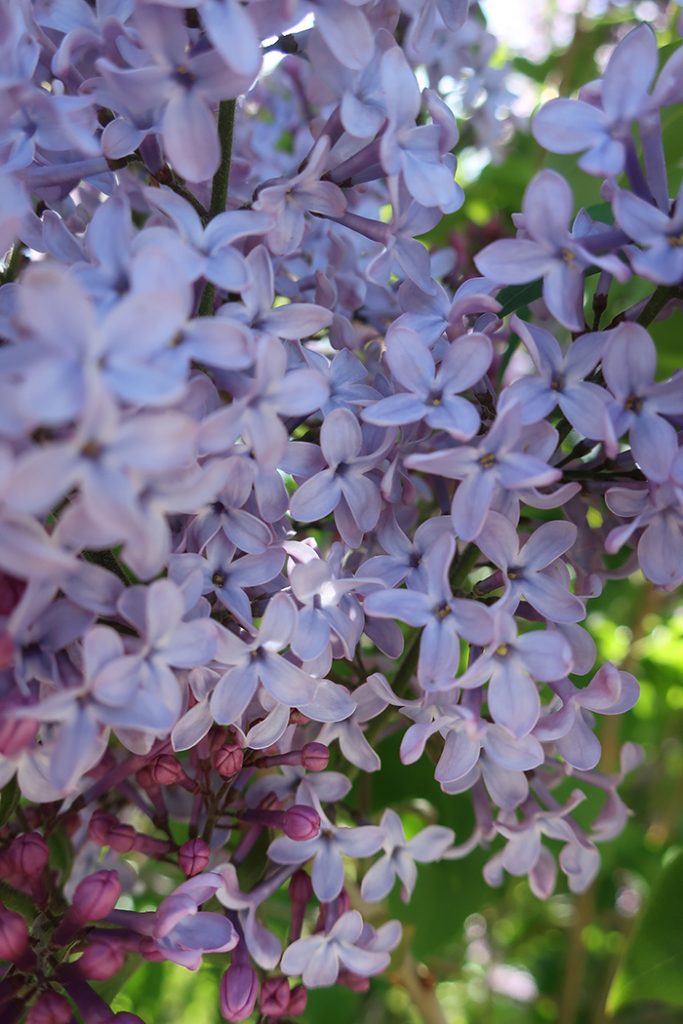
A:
219	188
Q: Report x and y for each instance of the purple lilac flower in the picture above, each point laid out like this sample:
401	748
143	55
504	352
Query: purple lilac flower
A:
662	236
399	857
319	958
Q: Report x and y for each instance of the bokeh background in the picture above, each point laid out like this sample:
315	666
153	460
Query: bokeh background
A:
472	954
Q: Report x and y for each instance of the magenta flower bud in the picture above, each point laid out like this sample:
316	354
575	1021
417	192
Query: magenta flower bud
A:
101	959
13	935
95	896
165	770
193	856
315	757
301	822
229	760
239	992
6	649
274	1000
300	887
122	838
50	1008
100	826
298	998
29	854
16	734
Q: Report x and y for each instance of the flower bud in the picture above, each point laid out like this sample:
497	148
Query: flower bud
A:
50	1008
239	991
101	960
128	1018
301	822
298	998
16	734
300	887
315	757
95	896
6	649
101	824
13	935
228	761
122	838
166	770
274	997
29	854
193	856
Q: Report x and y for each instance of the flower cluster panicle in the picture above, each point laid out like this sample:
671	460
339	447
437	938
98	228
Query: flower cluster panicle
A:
268	484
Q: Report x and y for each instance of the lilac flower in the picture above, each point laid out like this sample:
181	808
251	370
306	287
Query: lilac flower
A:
533	571
494	464
320	957
512	664
659	509
326	849
287	201
610	692
344	486
432	395
400	855
661	234
559	380
640	404
259	662
445	619
183	933
327	609
551	251
405	556
603	133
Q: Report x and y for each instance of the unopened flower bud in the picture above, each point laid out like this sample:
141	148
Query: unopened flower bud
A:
145	777
298	998
300	887
13	935
6	649
95	896
228	761
101	960
122	838
16	734
239	992
274	997
193	856
166	770
315	757
101	824
29	854
50	1008
301	822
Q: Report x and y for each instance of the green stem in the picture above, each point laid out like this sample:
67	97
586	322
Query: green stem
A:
13	264
219	188
658	301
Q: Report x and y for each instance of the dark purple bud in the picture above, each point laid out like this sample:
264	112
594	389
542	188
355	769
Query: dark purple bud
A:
193	856
165	770
29	854
95	896
315	757
228	761
16	734
239	991
6	649
50	1008
301	822
13	935
298	998
300	887
274	997
101	960
128	1018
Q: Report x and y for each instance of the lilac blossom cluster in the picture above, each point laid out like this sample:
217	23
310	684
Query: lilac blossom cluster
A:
271	491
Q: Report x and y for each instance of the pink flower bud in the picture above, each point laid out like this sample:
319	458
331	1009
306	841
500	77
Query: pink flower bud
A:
29	854
95	896
298	998
101	960
16	734
165	770
122	838
274	997
301	822
193	856
50	1008
239	991
6	649
145	778
228	761
315	757
13	935
300	887
100	826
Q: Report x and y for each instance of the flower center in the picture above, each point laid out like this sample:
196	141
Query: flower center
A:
633	403
487	460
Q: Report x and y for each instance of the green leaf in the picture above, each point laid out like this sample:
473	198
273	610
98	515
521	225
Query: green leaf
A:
61	851
515	296
9	800
652	968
